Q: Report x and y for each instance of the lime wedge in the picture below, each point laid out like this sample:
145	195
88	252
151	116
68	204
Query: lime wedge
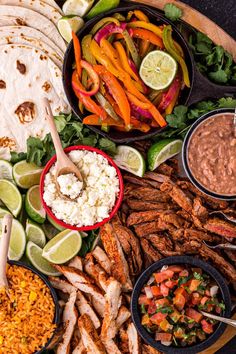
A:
102	6
3	211
35	233
158	69
26	174
55	224
33	205
10	196
49	230
68	24
162	151
6	170
77	7
34	254
17	240
130	159
63	247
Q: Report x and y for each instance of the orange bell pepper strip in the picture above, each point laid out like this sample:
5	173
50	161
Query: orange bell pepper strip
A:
138	125
94	119
77	51
137	102
124	60
157	116
111	52
87	101
143	48
141	15
147	35
149	26
117	91
113	103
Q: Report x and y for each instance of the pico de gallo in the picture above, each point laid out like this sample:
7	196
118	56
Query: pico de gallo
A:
171	301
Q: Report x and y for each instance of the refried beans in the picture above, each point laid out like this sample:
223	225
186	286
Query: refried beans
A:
212	154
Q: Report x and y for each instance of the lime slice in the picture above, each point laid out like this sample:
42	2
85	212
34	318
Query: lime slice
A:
162	151
35	233
26	174
33	205
17	240
158	70
68	24
77	7
63	247
6	170
10	196
130	159
34	254
3	211
55	224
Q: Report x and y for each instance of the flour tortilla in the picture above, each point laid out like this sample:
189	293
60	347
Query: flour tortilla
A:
16	15
54	4
18	31
42	78
39	6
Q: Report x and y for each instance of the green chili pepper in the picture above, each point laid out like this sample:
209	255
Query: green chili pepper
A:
131	47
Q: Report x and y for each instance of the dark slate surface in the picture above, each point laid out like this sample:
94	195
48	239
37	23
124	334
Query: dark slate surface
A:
223	12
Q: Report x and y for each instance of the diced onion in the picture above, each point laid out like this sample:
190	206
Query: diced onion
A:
213	290
151	280
165	267
167	344
148	292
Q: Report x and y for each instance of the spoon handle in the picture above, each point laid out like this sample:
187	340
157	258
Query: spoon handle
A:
221	319
5	240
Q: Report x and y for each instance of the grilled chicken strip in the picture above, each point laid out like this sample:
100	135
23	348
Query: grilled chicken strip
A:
149	194
89	336
140	205
177	195
146	349
63	285
221	227
84	307
77	263
123	315
115	253
124	341
79	349
102	259
111	347
134	341
69	318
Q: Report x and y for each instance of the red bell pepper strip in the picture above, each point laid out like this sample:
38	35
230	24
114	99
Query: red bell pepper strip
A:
77	51
93	76
169	96
147	36
116	90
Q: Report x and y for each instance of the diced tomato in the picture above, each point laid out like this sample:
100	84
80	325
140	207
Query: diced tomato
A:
196	299
165	325
195	315
193	284
210	307
184	273
207	293
164	337
175	316
176	268
158	318
218	310
207	327
179	333
155	290
204	300
166	274
143	300
146	320
164	290
181	291
171	283
148	292
162	302
152	307
179	301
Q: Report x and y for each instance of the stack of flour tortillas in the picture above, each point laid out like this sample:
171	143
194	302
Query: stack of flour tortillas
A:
31	51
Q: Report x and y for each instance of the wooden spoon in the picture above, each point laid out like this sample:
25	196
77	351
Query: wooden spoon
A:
4	246
63	164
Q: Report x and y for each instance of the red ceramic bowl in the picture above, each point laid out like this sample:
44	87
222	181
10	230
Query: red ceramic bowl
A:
118	200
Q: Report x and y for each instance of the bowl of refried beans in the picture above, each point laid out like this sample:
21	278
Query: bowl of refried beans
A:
209	154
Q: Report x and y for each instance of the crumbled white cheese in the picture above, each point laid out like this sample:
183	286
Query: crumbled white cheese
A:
96	200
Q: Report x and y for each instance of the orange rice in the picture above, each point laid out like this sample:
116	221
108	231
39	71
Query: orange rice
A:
26	318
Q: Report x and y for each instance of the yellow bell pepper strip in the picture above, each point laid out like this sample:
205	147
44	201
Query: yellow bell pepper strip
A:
147	35
133	99
170	47
118	16
179	48
149	26
168	96
102	58
124	60
116	90
93	76
141	15
94	119
85	46
129	15
107	106
131	47
111	52
87	101
77	51
103	22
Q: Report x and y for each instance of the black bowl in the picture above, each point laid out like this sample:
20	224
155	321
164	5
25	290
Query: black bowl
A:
156	17
56	319
185	154
171	261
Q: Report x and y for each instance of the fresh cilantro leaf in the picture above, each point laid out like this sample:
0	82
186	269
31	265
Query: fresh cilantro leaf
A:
60	122
203	48
107	146
197	276
219	76
143	309
35	151
166	309
178	118
227	102
221	305
201	37
172	12
183	280
16	157
88	242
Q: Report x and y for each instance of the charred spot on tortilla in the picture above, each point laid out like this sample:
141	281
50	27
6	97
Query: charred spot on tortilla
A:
7	142
25	112
21	67
46	86
43	57
20	22
2	84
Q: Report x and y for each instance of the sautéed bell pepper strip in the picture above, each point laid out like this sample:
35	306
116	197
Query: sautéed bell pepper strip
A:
108	30
103	59
94	77
148	36
169	96
89	104
77	51
131	47
133	99
171	49
116	90
146	25
85	44
141	15
111	52
103	22
94	119
124	60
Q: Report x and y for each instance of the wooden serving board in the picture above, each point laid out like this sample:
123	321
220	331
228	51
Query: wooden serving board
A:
202	23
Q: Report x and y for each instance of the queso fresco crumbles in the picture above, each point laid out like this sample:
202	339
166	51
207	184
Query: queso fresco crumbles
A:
95	201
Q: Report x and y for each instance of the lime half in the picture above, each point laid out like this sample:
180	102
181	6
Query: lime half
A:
35	233
26	174
10	196
162	151
68	24
17	240
33	205
34	254
63	247
130	159
6	170
158	70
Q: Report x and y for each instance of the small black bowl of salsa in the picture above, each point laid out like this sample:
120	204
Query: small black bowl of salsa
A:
167	300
